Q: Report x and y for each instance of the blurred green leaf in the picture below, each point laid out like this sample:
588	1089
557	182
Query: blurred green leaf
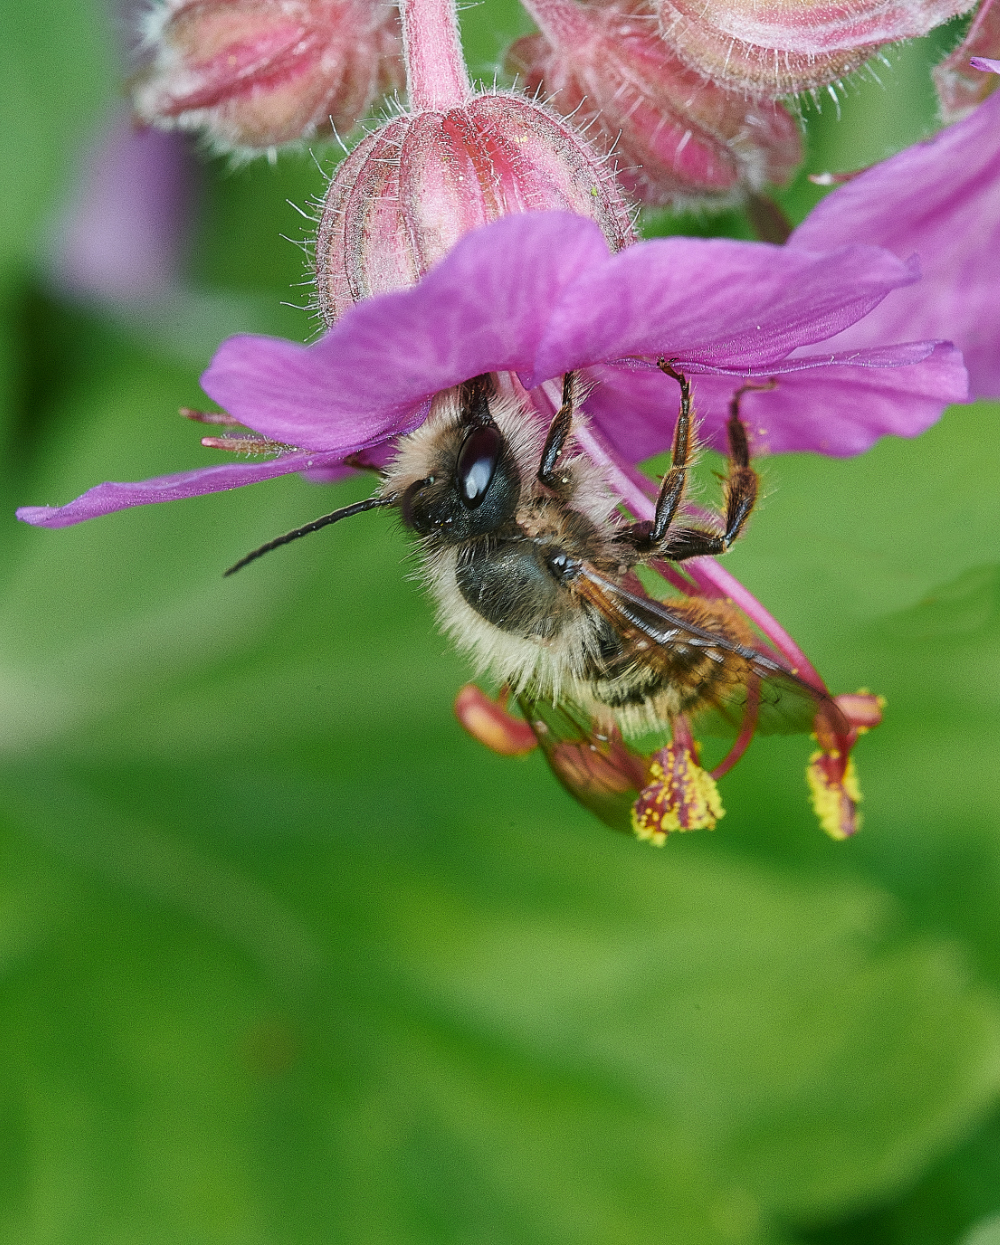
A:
285	958
985	1233
460	1002
955	1194
57	68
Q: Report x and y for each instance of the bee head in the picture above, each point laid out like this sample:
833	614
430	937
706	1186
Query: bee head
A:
476	486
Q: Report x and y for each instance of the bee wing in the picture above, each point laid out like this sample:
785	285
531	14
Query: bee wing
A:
595	767
757	684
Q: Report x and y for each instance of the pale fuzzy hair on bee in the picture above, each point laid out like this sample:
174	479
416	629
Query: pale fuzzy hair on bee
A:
553	667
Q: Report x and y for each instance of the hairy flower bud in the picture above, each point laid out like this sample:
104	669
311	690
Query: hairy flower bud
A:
771	48
675	135
409	191
254	74
961	86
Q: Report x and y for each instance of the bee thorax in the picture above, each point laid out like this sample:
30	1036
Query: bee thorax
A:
517	585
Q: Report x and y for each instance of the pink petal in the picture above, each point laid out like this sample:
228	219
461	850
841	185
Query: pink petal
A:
841	409
836	406
940	199
107	498
483	309
715	303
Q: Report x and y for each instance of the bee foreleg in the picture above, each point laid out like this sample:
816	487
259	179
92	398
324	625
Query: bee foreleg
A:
558	435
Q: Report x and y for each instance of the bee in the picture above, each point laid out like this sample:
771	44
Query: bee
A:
534	573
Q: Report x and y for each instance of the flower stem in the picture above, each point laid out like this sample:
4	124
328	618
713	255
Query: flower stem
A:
435	67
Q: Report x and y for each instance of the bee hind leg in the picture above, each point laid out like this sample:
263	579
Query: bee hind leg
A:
740	490
647	538
660	538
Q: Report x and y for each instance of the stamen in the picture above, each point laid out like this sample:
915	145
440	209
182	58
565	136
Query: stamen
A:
210	417
247	444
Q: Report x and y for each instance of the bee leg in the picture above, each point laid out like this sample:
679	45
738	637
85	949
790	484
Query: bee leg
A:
674	482
647	538
558	435
740	493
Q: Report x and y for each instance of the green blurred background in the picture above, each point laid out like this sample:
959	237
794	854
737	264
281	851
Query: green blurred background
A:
287	959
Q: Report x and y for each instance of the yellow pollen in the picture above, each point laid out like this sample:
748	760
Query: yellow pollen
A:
687	799
828	798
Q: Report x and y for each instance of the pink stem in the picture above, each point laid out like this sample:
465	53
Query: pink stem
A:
745	736
436	76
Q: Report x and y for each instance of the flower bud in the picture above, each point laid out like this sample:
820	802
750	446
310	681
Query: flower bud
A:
679	795
674	134
254	74
770	48
960	85
409	191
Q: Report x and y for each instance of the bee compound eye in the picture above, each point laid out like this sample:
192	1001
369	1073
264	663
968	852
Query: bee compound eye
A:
477	464
410	512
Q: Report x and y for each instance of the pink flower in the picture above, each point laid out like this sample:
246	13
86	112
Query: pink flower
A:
674	134
539	295
941	200
253	74
771	48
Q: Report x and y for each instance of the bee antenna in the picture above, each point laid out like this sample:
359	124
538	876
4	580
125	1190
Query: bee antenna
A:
370	503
